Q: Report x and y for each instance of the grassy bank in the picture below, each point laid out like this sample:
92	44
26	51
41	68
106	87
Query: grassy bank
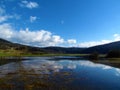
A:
38	55
17	53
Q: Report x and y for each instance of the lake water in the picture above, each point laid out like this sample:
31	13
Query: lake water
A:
49	73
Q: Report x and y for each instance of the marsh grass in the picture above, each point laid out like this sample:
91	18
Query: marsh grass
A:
18	53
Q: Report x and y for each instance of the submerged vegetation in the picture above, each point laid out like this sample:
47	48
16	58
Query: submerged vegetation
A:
28	79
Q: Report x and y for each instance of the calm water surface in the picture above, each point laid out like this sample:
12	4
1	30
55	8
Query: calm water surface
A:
46	73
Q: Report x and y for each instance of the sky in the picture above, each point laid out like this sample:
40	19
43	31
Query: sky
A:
68	23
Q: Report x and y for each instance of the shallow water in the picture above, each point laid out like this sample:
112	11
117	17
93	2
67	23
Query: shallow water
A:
46	73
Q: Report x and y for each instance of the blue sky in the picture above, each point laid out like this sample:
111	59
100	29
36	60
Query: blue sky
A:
79	23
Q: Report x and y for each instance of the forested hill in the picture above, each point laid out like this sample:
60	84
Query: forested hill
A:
10	46
7	45
103	49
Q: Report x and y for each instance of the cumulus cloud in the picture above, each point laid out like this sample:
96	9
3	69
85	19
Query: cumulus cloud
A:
32	18
6	31
35	38
44	37
57	39
29	4
39	38
71	41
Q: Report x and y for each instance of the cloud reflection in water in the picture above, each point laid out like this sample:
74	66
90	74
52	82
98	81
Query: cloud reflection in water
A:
49	66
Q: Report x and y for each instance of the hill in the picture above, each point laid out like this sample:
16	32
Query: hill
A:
103	49
10	46
64	50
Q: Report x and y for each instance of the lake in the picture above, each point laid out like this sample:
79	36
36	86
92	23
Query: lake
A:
58	73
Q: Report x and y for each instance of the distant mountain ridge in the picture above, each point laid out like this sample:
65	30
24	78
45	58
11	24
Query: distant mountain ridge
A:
4	44
103	49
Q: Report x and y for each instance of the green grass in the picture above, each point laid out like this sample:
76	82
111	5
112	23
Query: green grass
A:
15	53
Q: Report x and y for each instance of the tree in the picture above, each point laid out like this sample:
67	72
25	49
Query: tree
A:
113	54
94	56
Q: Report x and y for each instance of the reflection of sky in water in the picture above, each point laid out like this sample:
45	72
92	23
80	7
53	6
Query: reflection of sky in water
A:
42	66
8	68
103	67
84	72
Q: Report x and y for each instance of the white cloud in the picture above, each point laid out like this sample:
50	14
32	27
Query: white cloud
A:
2	16
44	38
94	43
29	4
5	18
6	31
35	38
117	37
71	41
32	18
39	38
57	39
